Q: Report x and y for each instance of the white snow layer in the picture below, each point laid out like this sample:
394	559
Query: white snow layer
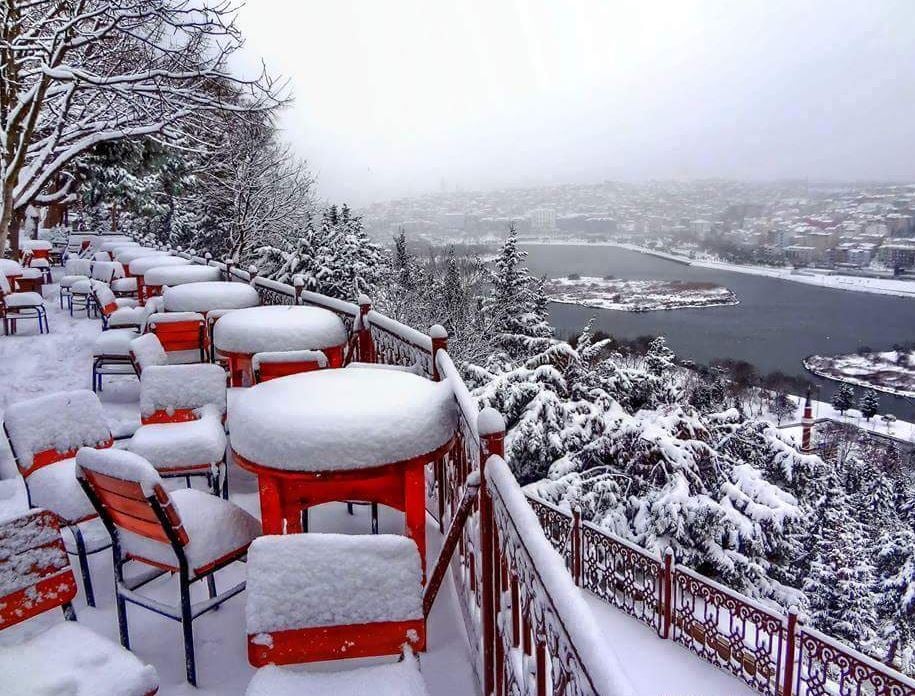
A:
180	275
397	679
61	421
176	445
70	660
341	419
202	297
121	464
308	580
140	266
147	351
278	328
168	387
289	356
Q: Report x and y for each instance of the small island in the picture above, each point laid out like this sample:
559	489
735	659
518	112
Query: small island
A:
889	371
637	295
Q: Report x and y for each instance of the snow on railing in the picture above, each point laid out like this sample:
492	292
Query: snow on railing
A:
772	652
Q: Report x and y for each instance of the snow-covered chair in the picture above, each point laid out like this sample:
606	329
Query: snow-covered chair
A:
355	596
111	355
212	317
117	312
401	678
182	334
145	351
44	434
182	408
271	365
20	306
38	259
35	577
75	270
187	532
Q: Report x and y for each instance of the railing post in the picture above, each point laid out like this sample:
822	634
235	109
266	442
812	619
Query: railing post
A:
667	592
252	271
439	342
229	264
366	346
491	428
207	257
576	545
789	656
298	284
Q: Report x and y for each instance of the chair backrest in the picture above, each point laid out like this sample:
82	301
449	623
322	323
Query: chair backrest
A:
147	351
269	366
35	573
106	271
50	428
101	256
104	298
78	266
179	331
175	393
128	494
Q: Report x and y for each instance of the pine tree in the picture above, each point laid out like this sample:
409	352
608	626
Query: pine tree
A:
843	398
659	359
869	404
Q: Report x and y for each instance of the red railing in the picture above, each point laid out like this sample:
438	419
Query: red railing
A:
772	652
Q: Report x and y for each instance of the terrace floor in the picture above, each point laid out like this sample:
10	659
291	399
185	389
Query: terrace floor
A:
32	365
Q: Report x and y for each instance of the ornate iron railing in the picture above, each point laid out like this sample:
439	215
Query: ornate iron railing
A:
771	652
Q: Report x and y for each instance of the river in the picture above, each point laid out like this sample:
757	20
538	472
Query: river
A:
776	325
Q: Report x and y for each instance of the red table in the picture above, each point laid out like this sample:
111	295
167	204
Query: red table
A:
340	435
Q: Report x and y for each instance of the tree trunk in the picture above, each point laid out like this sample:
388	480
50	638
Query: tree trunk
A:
15	223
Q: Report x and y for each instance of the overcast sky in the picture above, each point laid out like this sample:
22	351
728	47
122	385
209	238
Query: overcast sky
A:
393	97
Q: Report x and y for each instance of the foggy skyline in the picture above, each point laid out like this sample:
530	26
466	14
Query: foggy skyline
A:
394	97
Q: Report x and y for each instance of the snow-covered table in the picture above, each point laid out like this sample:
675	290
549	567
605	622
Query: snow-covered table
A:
159	276
126	255
239	335
338	435
138	268
206	296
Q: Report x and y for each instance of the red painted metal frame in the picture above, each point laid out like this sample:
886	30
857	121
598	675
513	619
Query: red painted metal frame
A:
274	370
242	371
182	335
320	643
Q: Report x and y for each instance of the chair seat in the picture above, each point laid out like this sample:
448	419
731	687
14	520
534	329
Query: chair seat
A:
180	446
68	280
114	342
39	263
127	316
70	659
23	299
218	530
126	302
397	679
124	285
81	287
55	488
31	273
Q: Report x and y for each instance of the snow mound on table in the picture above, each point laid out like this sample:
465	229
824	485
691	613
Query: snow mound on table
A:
341	419
173	445
279	328
289	356
180	275
202	297
398	679
70	660
307	580
143	264
61	421
120	464
126	255
169	387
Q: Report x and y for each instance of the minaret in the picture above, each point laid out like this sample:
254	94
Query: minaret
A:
807	425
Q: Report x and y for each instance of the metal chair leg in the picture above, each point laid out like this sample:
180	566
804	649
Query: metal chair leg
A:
188	629
374	518
211	586
121	605
83	564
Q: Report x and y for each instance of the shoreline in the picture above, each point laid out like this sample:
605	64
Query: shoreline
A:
643	311
857	382
874	286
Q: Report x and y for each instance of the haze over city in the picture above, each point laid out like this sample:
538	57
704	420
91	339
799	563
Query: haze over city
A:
404	97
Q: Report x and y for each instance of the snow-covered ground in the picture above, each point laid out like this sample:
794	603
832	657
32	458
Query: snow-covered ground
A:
637	295
882	371
899	429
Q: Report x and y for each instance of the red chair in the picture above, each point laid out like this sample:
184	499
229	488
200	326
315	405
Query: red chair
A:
36	578
355	596
187	532
116	312
44	434
19	306
269	366
146	351
182	408
182	334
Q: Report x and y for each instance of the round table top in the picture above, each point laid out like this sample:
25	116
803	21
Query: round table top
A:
341	420
278	328
181	275
8	267
125	256
143	264
202	297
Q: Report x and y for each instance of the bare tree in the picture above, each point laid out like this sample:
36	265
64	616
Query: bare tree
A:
75	73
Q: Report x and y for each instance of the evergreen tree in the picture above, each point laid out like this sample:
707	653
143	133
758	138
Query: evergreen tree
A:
869	404
843	398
